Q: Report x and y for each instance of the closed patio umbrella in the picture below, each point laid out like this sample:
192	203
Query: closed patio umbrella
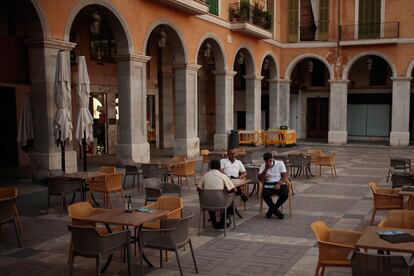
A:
25	134
84	130
62	122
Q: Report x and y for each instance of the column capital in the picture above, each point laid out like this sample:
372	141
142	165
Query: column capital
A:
50	43
132	57
338	81
226	73
187	66
401	78
284	81
276	80
252	77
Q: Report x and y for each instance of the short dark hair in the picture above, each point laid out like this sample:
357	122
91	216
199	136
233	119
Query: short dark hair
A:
267	156
215	164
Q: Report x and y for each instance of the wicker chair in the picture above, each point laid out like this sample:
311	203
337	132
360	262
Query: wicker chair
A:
106	184
314	155
8	214
398	219
328	161
174	234
216	200
184	169
58	186
290	197
89	243
173	204
399	166
385	199
11	192
334	245
154	188
107	169
134	171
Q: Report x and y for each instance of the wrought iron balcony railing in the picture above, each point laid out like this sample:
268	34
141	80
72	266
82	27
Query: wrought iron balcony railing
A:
244	12
369	31
313	32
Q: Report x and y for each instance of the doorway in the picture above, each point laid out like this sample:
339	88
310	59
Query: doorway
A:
8	142
317	117
98	108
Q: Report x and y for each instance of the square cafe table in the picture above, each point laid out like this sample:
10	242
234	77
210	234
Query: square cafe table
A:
133	219
371	240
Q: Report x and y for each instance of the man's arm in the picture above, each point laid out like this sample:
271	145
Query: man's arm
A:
242	171
262	175
282	180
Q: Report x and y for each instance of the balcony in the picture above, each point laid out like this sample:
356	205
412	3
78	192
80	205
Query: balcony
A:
195	7
251	20
314	32
369	33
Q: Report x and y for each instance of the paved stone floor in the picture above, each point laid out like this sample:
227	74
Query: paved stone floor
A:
257	245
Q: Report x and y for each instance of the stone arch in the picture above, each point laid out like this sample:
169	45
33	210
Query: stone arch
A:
180	56
42	18
250	64
352	61
410	69
220	56
273	71
296	60
125	44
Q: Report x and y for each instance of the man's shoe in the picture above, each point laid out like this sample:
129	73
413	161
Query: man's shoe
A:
269	214
221	226
278	214
244	197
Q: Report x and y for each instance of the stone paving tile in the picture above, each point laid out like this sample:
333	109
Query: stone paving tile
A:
336	190
323	203
234	257
295	226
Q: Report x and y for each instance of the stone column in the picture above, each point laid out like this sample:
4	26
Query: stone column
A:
202	112
46	156
253	102
224	108
400	119
167	118
273	104
338	102
186	141
284	102
132	89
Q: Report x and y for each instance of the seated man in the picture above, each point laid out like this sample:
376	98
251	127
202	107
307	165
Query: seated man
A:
234	168
273	176
214	179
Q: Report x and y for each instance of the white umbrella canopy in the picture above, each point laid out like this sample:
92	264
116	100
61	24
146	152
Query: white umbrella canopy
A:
25	135
84	125
63	118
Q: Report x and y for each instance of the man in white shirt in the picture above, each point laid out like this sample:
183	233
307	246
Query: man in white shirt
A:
214	179
273	176
234	168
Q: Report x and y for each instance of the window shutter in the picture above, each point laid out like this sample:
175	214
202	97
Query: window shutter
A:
323	19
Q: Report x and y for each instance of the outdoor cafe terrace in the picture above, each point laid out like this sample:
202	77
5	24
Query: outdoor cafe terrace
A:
256	246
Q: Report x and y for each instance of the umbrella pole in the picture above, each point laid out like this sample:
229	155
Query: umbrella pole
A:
85	165
62	148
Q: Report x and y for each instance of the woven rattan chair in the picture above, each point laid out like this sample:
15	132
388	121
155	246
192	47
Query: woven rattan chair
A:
11	192
154	170
385	199
398	219
215	200
184	170
107	169
134	171
88	242
327	161
154	188
370	264
173	204
81	210
174	234
314	155
399	166
106	185
8	214
334	246
58	186
290	197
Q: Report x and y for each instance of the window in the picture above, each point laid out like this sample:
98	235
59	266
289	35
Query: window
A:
103	45
293	20
213	6
369	25
323	19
